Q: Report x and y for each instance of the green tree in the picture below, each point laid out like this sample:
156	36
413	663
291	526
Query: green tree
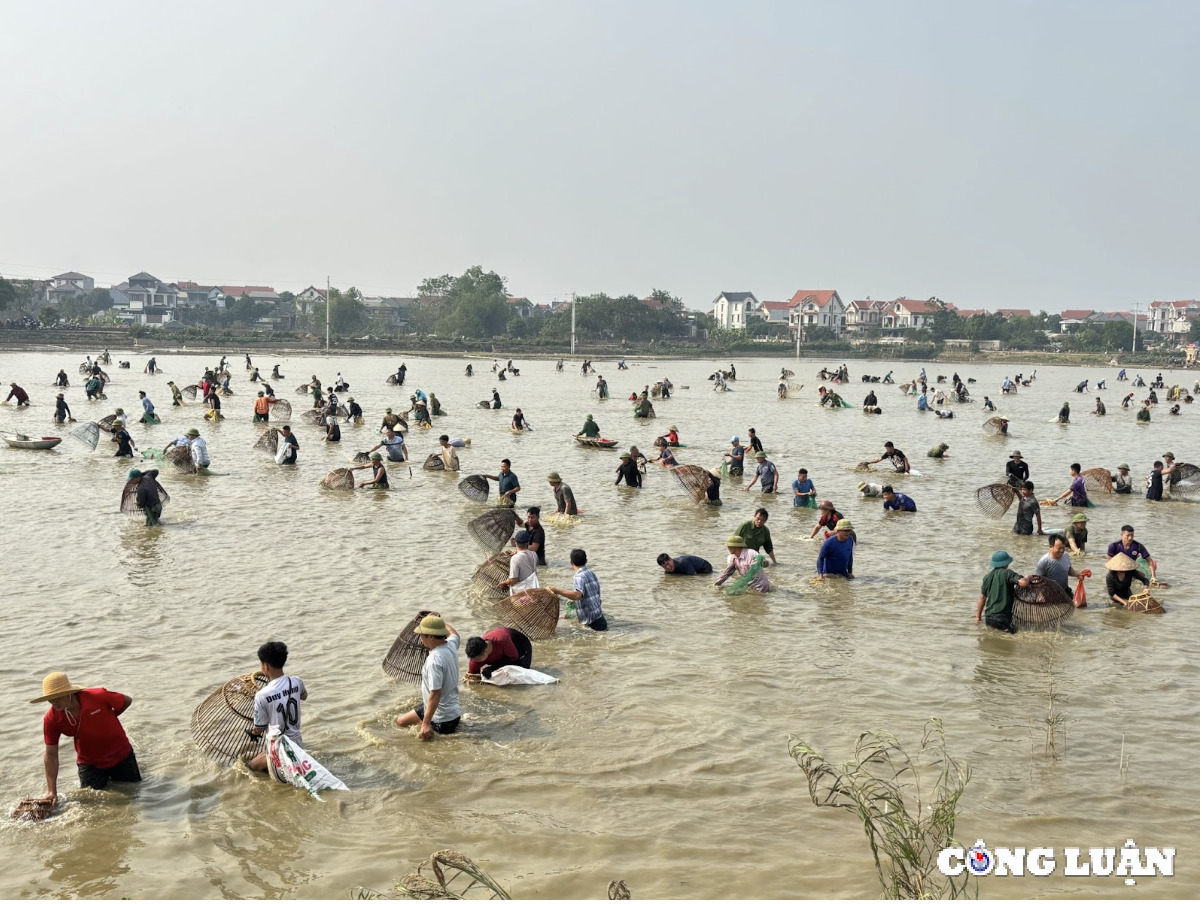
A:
474	303
436	285
48	315
8	294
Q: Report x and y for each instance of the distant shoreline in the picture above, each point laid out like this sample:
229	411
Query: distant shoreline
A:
119	344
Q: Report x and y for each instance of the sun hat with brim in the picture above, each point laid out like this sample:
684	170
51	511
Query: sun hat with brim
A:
376	456
1079	519
844	525
432	625
1124	467
624	455
736	541
554	477
1120	562
1169	455
861	486
1000	559
761	455
671	426
192	431
827	504
1016	454
56	685
716	472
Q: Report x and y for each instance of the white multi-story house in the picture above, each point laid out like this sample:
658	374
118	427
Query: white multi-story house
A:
733	310
69	285
151	301
305	301
908	314
1169	316
817	307
866	314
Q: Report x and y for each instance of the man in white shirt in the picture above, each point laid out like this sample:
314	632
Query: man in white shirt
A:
439	710
523	565
200	449
279	702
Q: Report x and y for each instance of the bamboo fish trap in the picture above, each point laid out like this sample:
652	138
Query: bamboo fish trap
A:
106	423
1184	481
407	656
1098	480
269	442
88	434
32	809
533	612
189	392
474	487
489	575
995	499
129	497
1144	602
219	724
180	458
995	426
694	480
434	462
339	479
793	390
1044	604
281	408
493	529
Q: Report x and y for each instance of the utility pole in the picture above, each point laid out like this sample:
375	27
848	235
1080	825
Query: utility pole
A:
1134	326
327	314
573	323
797	351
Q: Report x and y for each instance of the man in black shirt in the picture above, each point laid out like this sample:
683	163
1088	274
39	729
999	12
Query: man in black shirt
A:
1017	471
629	470
538	536
754	441
148	495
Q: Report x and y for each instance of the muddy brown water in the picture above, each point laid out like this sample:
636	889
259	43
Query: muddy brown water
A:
661	758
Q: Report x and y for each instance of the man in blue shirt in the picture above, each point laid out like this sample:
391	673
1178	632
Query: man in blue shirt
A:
735	455
507	484
897	502
684	565
835	554
392	443
585	592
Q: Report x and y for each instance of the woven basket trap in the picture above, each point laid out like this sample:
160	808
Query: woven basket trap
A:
407	656
219	724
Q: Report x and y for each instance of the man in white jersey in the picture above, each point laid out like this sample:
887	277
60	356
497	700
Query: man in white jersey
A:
279	702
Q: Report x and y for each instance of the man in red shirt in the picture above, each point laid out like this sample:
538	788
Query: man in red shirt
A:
89	715
498	647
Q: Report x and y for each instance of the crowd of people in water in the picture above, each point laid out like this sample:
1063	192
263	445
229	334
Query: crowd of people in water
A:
91	715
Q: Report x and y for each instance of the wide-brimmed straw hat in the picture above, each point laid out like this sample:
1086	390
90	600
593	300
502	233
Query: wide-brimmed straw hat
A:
736	541
432	625
1120	562
1000	559
56	685
861	486
717	472
671	426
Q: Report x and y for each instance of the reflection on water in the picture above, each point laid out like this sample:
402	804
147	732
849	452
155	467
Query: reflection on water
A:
661	757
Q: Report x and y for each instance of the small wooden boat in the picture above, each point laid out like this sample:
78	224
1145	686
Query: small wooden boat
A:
21	441
596	443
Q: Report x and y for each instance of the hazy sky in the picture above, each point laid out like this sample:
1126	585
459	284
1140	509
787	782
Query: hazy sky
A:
995	154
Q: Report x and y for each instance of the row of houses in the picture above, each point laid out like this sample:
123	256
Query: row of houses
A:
824	308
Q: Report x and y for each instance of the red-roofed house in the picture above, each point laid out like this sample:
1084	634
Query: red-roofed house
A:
776	311
1071	320
817	307
908	314
1172	316
970	312
523	307
305	300
1014	312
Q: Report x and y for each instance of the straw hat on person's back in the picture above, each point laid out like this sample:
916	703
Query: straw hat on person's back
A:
56	685
1120	562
